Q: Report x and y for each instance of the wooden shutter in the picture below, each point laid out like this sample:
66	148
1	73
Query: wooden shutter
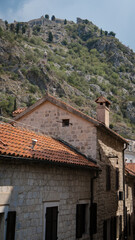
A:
51	223
80	220
113	228
128	225
105	230
93	218
120	226
11	221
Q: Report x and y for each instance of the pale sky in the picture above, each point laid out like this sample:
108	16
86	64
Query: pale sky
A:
111	15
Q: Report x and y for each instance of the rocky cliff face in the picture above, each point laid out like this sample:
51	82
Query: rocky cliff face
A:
79	63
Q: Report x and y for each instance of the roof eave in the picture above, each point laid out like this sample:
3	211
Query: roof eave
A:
46	161
101	125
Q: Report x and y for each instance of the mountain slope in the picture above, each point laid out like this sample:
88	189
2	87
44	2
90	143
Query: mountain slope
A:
74	61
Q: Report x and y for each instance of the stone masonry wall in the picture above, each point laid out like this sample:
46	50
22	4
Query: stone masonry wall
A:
109	152
129	203
47	118
30	187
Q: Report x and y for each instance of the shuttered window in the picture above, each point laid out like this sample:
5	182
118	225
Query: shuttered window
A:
120	226
105	230
2	226
108	178
113	228
51	223
80	220
11	221
93	218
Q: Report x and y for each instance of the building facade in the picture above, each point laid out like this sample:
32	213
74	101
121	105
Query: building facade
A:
94	139
45	188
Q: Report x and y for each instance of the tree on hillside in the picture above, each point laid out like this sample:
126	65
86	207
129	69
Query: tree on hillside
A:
65	21
12	27
17	28
53	18
101	32
6	23
24	29
112	34
46	16
86	21
50	37
106	33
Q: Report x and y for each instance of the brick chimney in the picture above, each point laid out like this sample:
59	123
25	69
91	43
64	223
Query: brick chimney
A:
103	106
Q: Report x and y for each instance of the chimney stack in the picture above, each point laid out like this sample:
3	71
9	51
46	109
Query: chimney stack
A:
103	106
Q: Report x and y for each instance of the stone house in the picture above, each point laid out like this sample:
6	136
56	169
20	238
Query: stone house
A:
130	152
45	188
96	140
130	200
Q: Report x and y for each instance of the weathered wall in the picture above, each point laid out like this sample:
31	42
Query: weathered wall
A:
109	152
31	186
48	119
129	203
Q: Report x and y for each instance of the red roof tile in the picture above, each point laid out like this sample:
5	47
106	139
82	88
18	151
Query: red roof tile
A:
18	142
130	168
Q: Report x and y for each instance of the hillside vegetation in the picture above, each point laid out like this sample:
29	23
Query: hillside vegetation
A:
75	61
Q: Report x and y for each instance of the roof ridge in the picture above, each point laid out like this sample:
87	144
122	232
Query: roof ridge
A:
68	108
58	99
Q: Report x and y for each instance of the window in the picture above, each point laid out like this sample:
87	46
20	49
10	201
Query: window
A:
65	122
80	220
51	221
11	221
109	229
117	178
2	226
120	226
128	225
113	228
93	218
106	230
108	178
3	222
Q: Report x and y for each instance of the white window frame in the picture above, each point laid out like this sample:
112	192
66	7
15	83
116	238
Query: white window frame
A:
46	205
4	209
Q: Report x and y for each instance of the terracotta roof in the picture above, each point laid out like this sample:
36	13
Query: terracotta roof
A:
17	142
18	111
70	109
130	168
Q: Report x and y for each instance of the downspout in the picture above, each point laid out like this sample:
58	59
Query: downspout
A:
124	213
92	198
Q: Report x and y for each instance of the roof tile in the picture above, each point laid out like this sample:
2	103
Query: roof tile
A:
130	168
17	142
